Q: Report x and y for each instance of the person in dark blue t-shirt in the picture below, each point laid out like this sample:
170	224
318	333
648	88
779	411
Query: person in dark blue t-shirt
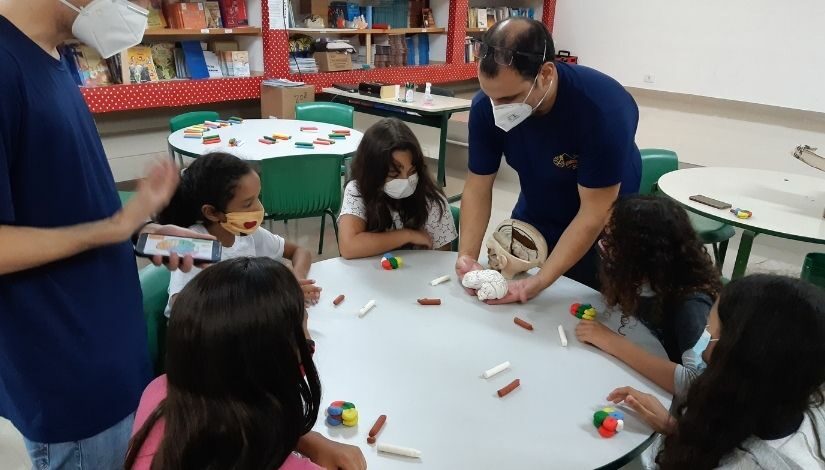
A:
73	349
567	130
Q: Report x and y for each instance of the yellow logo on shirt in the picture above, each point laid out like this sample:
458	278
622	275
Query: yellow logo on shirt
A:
566	161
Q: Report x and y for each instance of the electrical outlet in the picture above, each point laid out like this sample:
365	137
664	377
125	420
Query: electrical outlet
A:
650	78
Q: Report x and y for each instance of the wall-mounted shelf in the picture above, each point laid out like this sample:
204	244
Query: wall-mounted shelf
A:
350	32
168	33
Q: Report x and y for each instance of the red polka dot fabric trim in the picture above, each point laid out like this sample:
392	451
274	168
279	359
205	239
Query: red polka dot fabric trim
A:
457	31
548	15
172	93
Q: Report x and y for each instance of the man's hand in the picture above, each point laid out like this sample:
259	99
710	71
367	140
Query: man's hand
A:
647	406
153	194
175	262
330	454
312	293
463	265
595	333
521	291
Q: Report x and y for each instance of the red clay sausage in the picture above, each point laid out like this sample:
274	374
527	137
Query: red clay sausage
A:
429	301
509	388
379	423
518	321
338	300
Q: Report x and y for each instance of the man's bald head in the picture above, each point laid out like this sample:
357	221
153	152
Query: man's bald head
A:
521	35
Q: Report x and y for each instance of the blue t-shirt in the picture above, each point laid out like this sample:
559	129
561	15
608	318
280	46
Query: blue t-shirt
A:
587	138
73	349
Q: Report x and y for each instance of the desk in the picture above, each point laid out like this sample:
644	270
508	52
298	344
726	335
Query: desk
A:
422	365
784	205
253	129
435	115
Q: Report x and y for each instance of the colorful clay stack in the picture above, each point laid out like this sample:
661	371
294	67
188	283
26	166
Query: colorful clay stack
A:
342	412
583	311
390	262
608	421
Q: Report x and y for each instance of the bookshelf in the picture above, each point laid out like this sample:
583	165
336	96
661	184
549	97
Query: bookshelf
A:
165	34
174	93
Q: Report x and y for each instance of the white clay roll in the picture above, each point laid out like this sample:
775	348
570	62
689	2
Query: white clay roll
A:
398	450
562	336
366	308
495	370
439	280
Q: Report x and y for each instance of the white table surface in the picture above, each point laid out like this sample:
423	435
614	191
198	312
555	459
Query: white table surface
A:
440	103
422	365
786	205
253	129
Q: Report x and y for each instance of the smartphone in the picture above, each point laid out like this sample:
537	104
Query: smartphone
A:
710	202
203	251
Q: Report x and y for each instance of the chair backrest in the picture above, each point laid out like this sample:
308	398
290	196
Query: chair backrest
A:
301	186
125	196
813	269
655	163
154	282
323	111
457	220
190	119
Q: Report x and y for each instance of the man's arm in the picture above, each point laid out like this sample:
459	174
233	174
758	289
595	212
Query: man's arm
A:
24	248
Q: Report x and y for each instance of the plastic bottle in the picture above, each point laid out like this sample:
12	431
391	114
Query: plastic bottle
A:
410	96
428	95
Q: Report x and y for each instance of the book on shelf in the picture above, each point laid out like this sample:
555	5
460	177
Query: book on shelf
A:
180	63
213	15
481	17
487	17
137	65
233	13
91	66
156	17
235	63
115	69
186	15
67	57
164	58
195	61
213	65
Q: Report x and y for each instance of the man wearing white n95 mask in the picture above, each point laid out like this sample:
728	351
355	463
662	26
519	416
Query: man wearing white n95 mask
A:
73	349
567	130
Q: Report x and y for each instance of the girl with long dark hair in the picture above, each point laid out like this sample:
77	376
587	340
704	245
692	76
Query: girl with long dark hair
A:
241	390
391	201
656	270
758	405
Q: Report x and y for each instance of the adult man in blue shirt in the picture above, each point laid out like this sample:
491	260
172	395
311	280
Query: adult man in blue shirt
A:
567	130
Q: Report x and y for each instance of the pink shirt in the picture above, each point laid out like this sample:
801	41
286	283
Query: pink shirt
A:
152	396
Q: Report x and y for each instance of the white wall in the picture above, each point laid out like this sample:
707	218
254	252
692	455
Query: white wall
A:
758	51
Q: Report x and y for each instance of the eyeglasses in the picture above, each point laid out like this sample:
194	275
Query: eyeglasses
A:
502	55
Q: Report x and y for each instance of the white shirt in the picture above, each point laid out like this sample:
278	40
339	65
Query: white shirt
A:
261	242
439	224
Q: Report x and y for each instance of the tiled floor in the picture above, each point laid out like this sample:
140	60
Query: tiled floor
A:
769	255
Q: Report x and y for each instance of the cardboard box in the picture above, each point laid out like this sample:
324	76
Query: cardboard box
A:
332	61
280	101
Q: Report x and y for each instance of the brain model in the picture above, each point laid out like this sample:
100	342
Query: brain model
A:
489	284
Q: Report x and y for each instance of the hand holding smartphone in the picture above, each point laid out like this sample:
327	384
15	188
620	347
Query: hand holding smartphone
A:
202	251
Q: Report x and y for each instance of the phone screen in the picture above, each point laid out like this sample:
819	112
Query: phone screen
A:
165	245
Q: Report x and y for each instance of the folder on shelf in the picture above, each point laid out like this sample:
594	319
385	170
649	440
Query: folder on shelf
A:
195	61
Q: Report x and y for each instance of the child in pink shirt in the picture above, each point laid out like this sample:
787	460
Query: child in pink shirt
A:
241	389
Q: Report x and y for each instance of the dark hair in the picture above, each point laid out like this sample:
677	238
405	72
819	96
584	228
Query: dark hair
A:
650	239
371	165
765	372
236	348
210	179
522	35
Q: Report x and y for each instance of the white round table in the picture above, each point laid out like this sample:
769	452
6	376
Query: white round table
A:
784	205
253	129
422	365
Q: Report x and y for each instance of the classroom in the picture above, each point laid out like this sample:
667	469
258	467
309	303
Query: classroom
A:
412	234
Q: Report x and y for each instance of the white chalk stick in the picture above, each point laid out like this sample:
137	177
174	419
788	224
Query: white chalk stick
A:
439	280
562	336
495	370
366	308
398	450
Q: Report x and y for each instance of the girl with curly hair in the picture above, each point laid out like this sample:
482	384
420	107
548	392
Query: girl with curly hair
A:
655	269
758	405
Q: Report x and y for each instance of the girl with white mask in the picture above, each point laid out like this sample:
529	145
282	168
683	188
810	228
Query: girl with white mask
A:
391	201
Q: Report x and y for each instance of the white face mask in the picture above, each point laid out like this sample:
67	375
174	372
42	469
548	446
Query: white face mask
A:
109	26
510	115
401	188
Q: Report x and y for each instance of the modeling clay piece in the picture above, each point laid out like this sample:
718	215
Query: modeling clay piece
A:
509	388
608	421
342	412
439	280
390	262
495	370
398	450
518	321
489	284
583	311
562	336
366	308
429	301
338	300
741	213
376	428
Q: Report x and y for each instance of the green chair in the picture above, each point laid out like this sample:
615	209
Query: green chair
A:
813	269
154	282
657	162
302	186
329	113
457	220
180	121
